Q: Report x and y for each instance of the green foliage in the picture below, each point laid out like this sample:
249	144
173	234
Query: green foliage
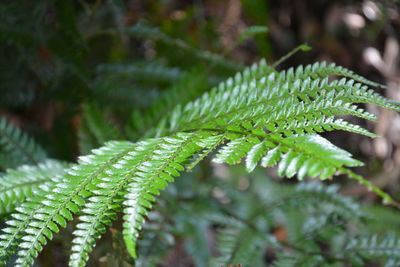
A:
124	175
372	248
260	116
95	129
141	30
187	88
21	183
17	148
237	244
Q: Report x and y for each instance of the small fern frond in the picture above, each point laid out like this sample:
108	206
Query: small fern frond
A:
18	146
188	88
318	193
372	247
19	184
238	244
95	128
284	260
143	31
153	72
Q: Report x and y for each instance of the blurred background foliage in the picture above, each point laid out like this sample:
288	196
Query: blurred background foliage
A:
75	74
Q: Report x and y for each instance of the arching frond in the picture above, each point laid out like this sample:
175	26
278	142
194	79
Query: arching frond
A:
260	115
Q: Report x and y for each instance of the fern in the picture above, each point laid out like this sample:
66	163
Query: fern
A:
319	194
373	247
238	244
260	115
20	184
190	86
95	129
153	72
17	148
143	31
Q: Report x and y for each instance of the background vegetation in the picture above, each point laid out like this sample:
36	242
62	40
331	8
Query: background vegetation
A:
75	74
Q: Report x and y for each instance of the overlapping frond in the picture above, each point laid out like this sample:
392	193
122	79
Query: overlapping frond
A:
143	31
237	244
319	194
54	204
99	210
17	148
95	128
19	184
188	88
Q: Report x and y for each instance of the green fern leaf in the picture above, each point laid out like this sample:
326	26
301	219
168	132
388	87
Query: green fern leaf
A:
372	247
95	128
17	185
55	203
264	115
18	146
161	167
143	31
238	244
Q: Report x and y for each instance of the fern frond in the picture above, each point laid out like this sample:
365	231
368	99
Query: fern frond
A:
142	172
255	116
284	260
323	69
19	184
143	31
18	146
372	247
318	193
99	210
303	155
251	103
238	244
156	239
147	71
95	128
152	176
188	88
55	203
